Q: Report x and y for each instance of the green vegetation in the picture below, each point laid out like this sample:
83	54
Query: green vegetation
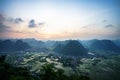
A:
47	72
8	72
36	66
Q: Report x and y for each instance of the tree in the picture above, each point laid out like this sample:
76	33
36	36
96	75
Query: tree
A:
2	58
9	72
49	72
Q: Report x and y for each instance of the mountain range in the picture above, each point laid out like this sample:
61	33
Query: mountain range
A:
67	47
11	46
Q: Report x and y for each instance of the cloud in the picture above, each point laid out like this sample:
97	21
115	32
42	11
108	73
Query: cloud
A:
3	27
109	25
84	27
18	20
41	23
104	21
32	23
10	19
15	20
2	18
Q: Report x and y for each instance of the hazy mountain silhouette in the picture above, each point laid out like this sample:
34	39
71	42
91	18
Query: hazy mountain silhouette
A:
20	45
68	47
87	43
72	48
34	43
6	46
9	46
117	42
100	46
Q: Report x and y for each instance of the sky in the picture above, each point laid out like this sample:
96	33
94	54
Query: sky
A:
60	19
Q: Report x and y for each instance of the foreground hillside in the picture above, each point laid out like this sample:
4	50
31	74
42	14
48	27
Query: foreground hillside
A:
101	68
47	72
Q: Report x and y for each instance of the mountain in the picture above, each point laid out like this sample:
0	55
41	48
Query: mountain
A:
87	43
50	44
95	45
109	45
71	48
117	42
6	46
102	46
34	43
58	48
10	46
20	45
53	44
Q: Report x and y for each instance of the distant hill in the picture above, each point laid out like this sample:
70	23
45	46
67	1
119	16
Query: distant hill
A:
10	46
20	45
68	47
109	45
117	42
101	46
6	46
50	44
71	48
87	43
34	43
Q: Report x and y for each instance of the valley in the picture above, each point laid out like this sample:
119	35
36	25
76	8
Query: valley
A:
98	62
